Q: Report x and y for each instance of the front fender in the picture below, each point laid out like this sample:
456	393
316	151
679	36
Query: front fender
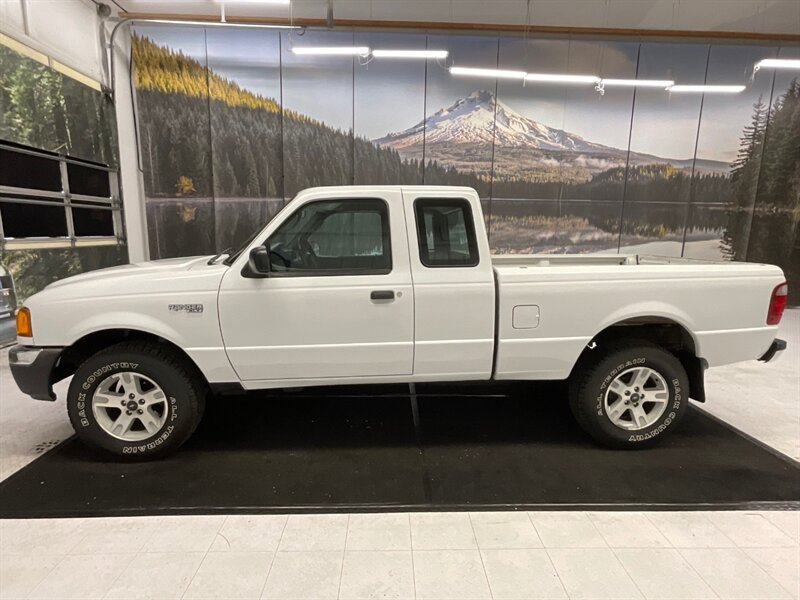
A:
124	320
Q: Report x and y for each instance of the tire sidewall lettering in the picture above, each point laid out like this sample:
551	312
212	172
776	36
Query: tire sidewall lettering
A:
81	406
640	437
105	370
173	408
139	448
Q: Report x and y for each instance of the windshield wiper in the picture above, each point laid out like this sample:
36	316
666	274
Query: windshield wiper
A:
236	252
211	261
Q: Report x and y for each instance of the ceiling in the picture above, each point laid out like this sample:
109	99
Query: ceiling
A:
745	16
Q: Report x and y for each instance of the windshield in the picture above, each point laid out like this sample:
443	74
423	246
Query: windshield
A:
235	254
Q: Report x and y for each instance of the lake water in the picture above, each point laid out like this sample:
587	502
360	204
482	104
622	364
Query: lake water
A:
196	226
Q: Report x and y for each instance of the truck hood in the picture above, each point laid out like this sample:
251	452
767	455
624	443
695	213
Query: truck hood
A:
153	268
136	296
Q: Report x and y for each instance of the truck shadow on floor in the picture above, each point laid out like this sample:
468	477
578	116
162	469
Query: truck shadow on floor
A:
348	417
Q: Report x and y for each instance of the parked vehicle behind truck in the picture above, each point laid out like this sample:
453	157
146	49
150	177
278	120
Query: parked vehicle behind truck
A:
8	307
389	284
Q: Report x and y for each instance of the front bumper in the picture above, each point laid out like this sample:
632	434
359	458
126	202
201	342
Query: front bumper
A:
32	369
774	350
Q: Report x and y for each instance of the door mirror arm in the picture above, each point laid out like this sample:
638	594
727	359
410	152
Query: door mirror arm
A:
258	264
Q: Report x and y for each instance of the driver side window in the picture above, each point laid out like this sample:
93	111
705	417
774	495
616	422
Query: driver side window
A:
333	237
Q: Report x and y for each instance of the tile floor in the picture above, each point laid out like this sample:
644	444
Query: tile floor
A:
499	555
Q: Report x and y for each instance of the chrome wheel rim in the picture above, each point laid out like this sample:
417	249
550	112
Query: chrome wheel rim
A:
129	406
636	398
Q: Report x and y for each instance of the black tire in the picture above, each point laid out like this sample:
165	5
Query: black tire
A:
589	385
184	390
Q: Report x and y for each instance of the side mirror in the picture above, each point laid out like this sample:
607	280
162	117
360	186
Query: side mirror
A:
259	262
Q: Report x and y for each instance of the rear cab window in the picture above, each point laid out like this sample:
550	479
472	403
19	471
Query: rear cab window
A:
446	232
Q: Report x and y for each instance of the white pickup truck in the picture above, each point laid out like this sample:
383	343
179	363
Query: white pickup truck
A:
378	284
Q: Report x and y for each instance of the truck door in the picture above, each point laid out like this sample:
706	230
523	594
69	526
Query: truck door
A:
338	302
454	294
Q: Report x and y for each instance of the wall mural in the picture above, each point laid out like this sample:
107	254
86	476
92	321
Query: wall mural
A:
43	108
233	123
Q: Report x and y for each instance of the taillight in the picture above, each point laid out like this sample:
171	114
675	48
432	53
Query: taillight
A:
777	304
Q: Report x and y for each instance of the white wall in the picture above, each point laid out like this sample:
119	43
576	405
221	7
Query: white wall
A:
131	178
67	30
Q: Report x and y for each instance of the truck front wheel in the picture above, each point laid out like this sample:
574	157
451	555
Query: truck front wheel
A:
136	400
631	396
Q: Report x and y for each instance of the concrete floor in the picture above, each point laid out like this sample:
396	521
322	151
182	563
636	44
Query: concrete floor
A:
28	427
506	555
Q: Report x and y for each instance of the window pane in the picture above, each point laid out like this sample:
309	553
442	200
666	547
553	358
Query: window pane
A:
33	220
349	236
92	221
27	171
446	233
88	181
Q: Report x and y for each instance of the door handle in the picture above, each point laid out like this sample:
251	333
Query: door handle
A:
382	295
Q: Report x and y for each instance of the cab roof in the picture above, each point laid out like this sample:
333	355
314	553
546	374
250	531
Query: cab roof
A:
447	189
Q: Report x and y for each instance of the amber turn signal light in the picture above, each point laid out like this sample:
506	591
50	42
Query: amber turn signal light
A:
24	327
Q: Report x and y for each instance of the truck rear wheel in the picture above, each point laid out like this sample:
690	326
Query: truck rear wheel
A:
631	396
135	400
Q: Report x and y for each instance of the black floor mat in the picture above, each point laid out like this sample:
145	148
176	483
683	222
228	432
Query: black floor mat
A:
324	451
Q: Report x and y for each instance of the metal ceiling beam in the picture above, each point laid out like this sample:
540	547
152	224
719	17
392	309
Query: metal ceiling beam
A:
478	27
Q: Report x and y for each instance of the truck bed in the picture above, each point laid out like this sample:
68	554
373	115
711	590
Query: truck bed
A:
546	260
551	306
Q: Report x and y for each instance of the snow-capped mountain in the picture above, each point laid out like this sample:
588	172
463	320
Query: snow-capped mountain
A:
462	134
471	120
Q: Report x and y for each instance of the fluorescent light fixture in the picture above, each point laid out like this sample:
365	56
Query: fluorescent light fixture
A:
553	78
253	1
708	89
496	73
778	63
215	24
332	50
659	83
409	53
